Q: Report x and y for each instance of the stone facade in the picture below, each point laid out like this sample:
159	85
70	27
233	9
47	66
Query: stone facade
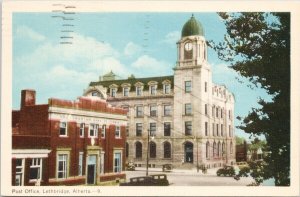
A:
192	118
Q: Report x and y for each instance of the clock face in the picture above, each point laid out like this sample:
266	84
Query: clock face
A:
188	46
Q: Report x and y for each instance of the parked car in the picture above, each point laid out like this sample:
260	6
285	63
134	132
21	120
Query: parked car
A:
161	179
226	171
130	166
167	167
152	180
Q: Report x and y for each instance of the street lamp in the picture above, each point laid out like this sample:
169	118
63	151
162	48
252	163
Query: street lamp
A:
148	144
148	135
195	138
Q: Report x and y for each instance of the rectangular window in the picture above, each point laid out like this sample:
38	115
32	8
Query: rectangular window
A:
167	110
167	129
19	172
139	129
113	92
213	129
206	129
229	114
35	169
81	130
117	132
153	110
213	111
117	162
221	113
206	112
126	107
153	90
62	166
188	86
63	129
103	131
188	128
80	162
222	134
167	89
93	131
217	125
152	129
229	130
139	91
205	84
139	111
127	130
188	109
126	91
217	112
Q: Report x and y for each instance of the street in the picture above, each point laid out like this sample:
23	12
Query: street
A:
180	177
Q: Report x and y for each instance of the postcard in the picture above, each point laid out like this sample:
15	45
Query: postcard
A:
152	98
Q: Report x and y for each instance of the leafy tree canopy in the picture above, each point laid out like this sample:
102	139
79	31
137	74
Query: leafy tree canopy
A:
239	140
258	47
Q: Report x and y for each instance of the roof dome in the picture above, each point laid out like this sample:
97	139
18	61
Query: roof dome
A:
192	27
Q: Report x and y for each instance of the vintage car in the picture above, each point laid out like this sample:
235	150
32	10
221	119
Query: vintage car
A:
167	167
130	166
161	179
152	180
226	171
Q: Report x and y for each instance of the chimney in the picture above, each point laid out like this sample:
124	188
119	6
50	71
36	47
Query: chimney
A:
27	98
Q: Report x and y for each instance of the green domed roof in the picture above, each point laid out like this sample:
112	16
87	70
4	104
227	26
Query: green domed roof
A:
192	27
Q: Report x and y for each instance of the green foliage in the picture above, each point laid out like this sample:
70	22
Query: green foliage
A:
258	47
257	170
239	140
257	143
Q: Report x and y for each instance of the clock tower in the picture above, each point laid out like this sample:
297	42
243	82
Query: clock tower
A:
192	91
192	48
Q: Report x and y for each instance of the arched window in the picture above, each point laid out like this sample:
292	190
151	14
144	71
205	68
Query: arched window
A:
219	149
167	150
152	150
138	150
231	148
127	149
214	149
223	149
207	150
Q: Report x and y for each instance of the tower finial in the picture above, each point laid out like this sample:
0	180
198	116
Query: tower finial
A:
192	14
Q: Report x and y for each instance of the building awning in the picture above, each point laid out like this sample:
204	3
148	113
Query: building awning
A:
30	153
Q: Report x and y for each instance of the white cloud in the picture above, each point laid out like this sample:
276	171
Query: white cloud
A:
131	49
63	71
25	32
172	37
148	66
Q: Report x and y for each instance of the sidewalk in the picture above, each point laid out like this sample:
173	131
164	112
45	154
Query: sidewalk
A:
211	171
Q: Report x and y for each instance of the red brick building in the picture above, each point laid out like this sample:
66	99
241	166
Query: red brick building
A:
67	142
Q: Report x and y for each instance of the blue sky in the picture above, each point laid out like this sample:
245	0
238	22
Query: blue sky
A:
143	44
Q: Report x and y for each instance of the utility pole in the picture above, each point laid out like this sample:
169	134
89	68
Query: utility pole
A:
197	156
147	152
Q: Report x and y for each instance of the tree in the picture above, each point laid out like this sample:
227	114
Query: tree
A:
239	140
258	47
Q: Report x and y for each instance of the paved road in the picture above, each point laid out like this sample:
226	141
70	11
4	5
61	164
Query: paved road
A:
192	178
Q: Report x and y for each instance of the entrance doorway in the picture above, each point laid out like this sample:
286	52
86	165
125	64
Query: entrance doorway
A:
91	169
188	152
